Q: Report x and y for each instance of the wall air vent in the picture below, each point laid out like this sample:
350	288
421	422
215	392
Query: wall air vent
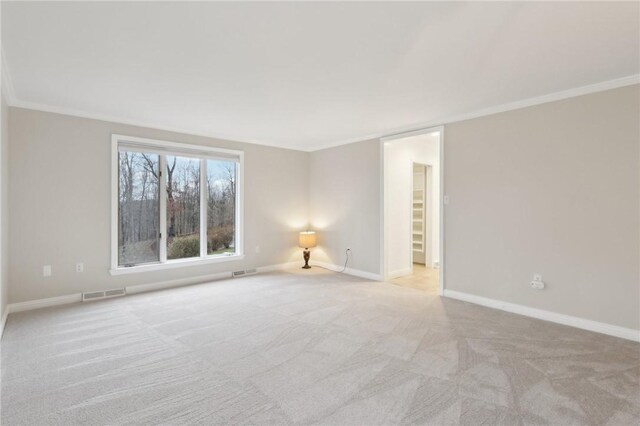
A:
114	292
243	272
96	295
92	295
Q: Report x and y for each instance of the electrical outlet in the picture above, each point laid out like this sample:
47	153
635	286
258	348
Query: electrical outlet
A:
79	267
446	200
537	283
46	271
257	249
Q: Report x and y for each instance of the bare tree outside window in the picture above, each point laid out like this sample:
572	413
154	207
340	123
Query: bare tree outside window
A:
138	208
221	208
183	207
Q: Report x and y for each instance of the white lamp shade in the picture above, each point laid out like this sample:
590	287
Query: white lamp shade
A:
307	239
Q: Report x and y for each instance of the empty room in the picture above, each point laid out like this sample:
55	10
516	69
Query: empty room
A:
331	213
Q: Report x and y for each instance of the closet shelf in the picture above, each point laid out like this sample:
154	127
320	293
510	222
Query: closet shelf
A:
417	219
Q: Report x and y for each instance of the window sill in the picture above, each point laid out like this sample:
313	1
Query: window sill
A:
172	264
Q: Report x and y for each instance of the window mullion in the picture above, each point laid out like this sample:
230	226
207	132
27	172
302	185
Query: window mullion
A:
163	209
203	208
239	237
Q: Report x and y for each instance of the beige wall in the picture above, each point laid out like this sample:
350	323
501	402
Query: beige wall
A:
345	204
550	189
60	204
4	205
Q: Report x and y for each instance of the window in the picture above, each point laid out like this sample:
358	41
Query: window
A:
173	205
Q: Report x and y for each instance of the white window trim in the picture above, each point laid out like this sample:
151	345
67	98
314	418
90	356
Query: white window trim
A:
170	148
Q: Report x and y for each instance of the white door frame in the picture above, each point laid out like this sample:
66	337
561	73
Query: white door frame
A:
383	214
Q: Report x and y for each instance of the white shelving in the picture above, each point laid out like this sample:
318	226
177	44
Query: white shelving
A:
417	220
422	226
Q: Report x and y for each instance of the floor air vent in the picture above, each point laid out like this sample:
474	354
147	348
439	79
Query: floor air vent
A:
95	295
244	272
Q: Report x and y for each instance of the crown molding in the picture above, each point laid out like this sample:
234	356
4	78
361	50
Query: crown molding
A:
7	84
139	123
8	90
538	100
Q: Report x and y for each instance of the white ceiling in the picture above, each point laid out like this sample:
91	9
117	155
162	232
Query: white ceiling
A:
307	75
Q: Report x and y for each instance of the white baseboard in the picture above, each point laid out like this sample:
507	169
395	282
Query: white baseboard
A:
201	279
279	267
43	303
5	314
349	271
400	273
140	288
181	282
585	324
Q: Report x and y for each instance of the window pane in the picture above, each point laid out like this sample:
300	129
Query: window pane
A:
138	209
221	213
183	207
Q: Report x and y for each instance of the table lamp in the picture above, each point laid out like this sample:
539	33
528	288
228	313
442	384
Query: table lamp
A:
306	240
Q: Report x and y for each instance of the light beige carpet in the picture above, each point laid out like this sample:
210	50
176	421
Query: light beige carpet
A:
312	347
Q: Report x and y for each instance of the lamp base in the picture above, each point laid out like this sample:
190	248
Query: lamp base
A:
306	254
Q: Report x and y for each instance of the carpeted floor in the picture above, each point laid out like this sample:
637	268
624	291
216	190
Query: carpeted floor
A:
312	347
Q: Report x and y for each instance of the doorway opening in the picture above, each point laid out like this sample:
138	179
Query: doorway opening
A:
412	249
